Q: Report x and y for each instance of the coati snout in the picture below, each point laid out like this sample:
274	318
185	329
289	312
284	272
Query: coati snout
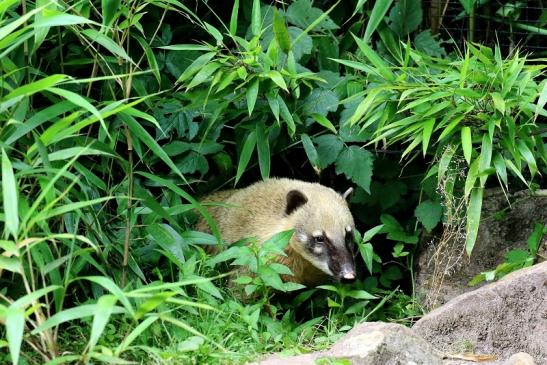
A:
322	245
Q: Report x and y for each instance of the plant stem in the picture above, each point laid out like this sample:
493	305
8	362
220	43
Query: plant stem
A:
129	199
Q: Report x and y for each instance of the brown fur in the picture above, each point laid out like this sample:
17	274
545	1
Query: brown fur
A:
259	211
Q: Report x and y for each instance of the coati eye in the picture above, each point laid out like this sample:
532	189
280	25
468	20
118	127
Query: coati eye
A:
319	239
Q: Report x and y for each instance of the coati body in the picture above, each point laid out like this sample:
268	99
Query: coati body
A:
322	244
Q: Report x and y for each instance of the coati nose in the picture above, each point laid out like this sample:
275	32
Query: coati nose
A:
347	274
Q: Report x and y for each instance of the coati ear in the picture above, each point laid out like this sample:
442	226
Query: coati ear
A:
347	194
295	199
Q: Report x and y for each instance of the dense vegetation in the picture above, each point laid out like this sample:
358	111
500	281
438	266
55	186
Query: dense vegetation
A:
116	116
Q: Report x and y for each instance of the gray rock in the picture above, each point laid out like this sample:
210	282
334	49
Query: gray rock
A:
443	270
370	343
520	358
502	318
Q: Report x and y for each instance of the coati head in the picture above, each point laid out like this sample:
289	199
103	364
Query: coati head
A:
324	229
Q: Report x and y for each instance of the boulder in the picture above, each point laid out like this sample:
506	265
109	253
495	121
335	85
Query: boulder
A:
369	343
443	271
502	318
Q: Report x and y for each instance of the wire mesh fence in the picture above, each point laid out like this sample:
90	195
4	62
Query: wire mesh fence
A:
520	24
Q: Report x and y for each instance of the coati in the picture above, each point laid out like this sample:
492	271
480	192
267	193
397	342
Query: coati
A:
322	244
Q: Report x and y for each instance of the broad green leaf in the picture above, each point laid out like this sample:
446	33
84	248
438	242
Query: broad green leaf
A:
356	164
109	44
360	294
113	288
246	153
467	145
274	104
9	196
15	326
429	213
378	13
233	18
263	149
281	32
329	147
473	219
185	326
105	306
109	8
251	95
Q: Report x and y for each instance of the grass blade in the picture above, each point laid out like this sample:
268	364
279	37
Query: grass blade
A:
105	306
473	219
246	153
15	325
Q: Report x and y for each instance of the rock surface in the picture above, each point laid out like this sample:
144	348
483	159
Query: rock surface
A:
502	318
443	272
369	343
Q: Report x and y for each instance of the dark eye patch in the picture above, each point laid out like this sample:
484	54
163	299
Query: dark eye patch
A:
350	242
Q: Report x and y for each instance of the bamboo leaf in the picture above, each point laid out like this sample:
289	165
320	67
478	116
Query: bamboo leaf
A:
281	32
378	13
15	326
246	152
109	44
263	149
467	145
324	122
233	18
9	196
105	306
251	95
426	134
473	219
109	8
256	24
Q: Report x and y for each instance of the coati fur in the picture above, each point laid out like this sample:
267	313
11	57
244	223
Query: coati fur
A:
322	243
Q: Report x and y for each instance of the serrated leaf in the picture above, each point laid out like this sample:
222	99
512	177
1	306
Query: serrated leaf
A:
329	147
429	213
356	164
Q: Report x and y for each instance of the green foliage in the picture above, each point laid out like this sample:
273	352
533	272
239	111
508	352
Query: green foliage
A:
480	106
110	128
515	259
